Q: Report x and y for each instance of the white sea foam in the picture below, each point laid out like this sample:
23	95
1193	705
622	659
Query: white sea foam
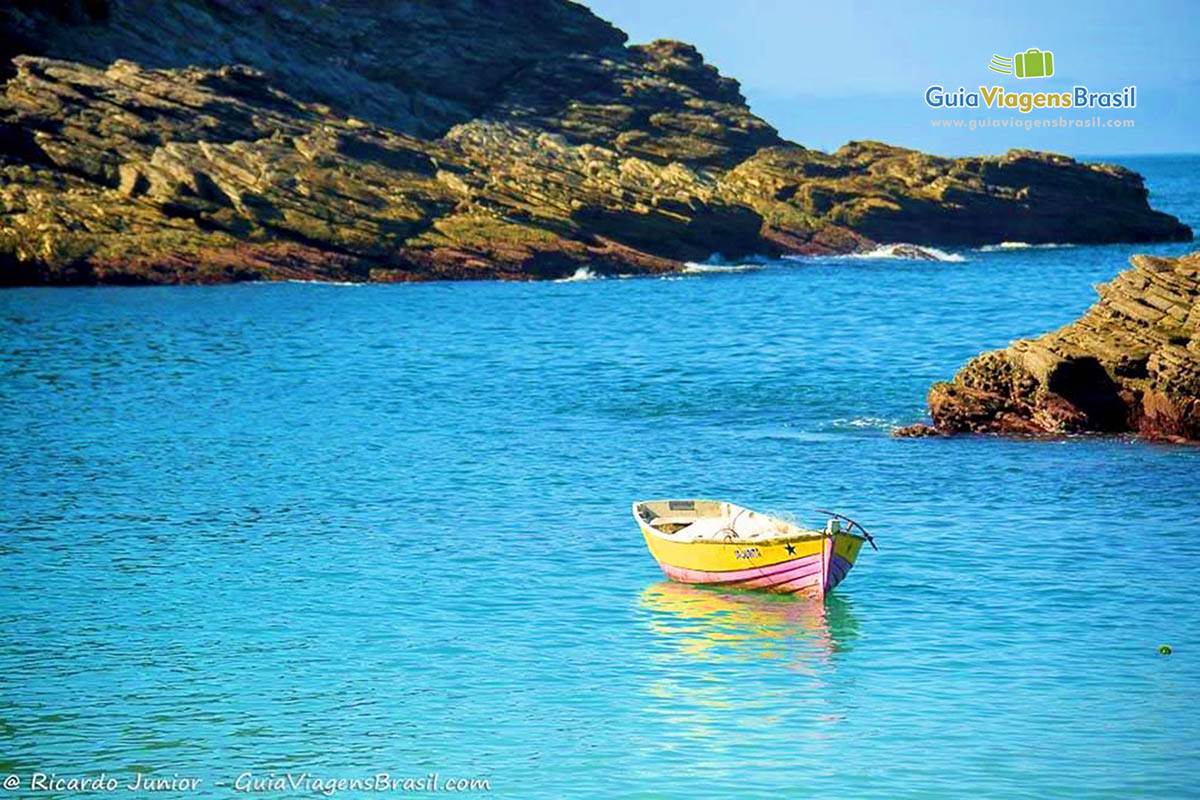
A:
718	260
993	248
694	268
910	252
865	423
313	283
581	274
900	251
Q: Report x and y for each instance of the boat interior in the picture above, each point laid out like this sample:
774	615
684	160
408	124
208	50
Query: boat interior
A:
712	520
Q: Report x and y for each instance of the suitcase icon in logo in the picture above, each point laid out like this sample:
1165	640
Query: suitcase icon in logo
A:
1034	63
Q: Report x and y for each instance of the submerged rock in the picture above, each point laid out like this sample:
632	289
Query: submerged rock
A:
223	140
1130	364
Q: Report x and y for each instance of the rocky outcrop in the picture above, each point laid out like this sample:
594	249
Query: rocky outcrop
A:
892	194
128	175
219	140
414	67
1130	364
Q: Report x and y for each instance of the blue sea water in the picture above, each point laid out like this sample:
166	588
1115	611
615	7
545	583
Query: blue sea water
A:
288	529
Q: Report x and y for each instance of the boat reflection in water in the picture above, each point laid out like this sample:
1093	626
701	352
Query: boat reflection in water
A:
713	624
763	664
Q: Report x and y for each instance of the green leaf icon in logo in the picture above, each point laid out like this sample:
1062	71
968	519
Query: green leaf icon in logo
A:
1034	63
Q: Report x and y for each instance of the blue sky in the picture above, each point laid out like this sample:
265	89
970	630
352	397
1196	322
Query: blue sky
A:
827	72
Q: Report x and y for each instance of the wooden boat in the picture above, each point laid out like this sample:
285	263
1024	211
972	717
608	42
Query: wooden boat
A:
713	542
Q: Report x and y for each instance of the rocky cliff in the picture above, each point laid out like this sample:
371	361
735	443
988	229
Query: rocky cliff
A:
213	140
1130	364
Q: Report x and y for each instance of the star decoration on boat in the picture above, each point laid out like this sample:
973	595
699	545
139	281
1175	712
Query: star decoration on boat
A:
791	548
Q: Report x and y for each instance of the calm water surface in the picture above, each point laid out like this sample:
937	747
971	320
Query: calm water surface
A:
278	528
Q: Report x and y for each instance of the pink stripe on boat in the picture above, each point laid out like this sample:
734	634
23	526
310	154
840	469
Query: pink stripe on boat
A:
810	582
777	578
827	564
685	575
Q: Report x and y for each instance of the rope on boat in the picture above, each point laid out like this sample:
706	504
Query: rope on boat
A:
733	534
